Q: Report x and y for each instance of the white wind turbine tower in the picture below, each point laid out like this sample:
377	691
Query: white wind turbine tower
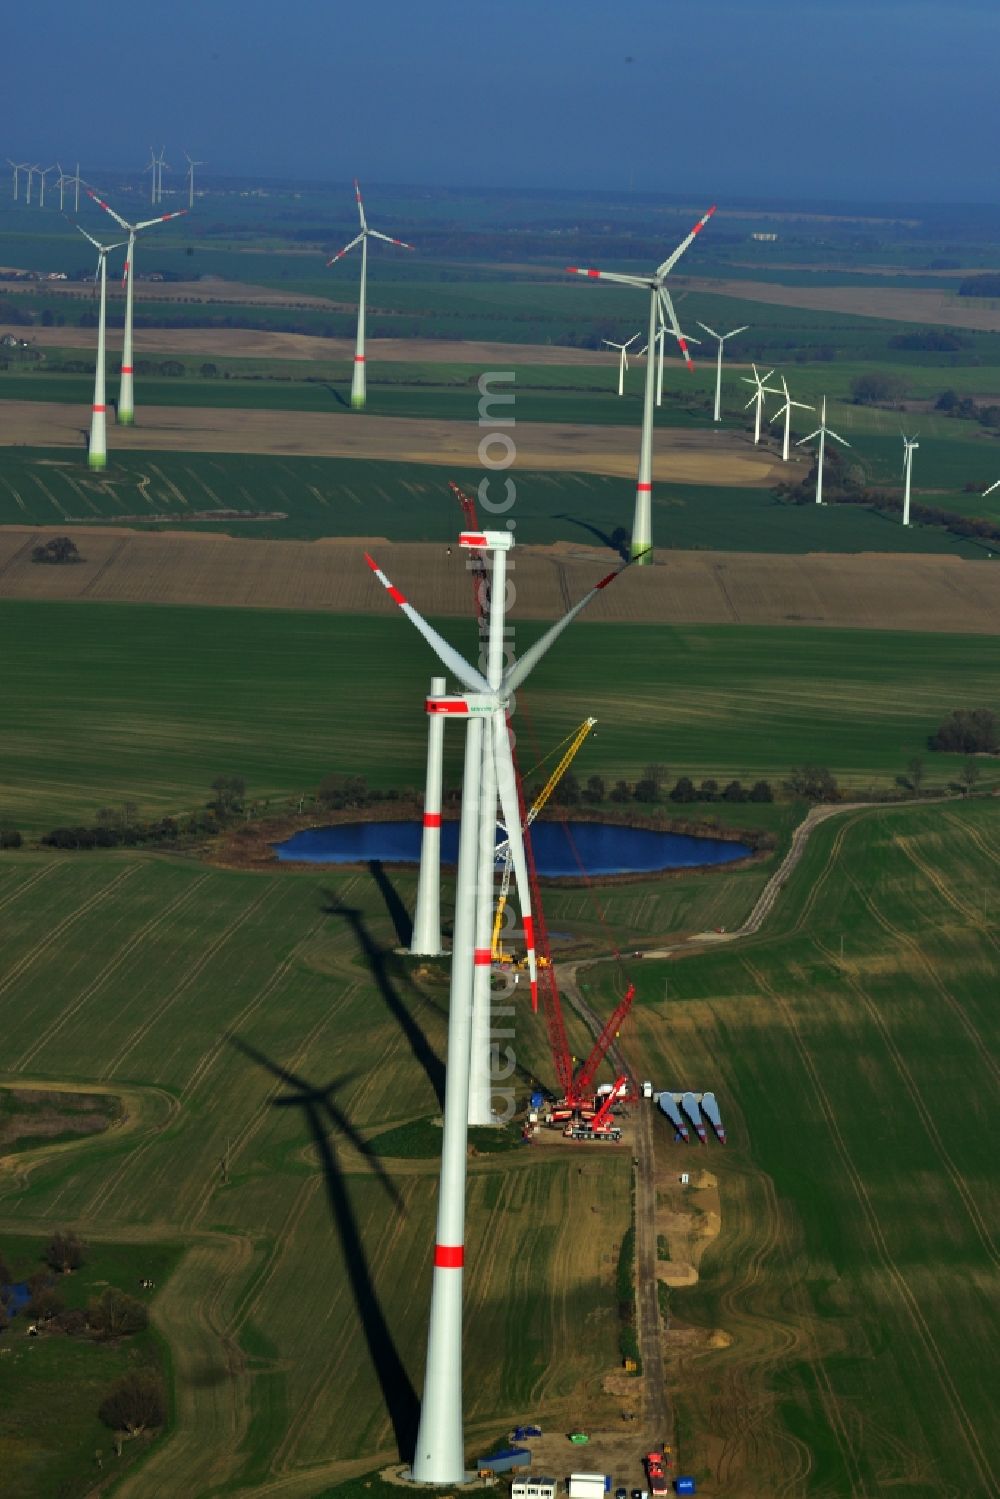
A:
440	1449
660	341
757	399
43	172
97	452
425	939
151	167
161	165
32	169
126	395
721	338
66	181
190	177
909	443
19	166
786	412
659	303
358	382
622	358
822	432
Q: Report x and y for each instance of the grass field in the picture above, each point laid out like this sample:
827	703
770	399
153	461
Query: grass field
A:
106	703
856	1269
303	1285
412	502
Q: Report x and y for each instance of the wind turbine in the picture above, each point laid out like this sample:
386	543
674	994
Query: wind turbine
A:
19	166
190	177
160	165
660	340
43	172
659	303
440	1456
622	358
31	172
126	395
425	939
822	432
97	452
358	382
786	412
65	181
909	443
721	337
757	399
151	167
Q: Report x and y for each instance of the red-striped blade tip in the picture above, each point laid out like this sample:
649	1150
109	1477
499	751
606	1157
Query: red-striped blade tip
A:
371	562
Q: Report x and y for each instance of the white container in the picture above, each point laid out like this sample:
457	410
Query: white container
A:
587	1486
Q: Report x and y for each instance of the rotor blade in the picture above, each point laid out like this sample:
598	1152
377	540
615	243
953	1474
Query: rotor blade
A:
668	307
341	253
671	260
631	340
446	653
107	208
390	241
148	223
992	487
809	438
96	244
360	203
712	331
507	788
732	332
830	433
527	663
575	270
752	401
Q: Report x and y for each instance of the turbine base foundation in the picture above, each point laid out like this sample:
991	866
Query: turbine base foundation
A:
97	460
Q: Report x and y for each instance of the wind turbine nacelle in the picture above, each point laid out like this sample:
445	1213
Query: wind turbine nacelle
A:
486	541
462	704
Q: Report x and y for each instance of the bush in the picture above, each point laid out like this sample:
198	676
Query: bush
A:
761	791
734	792
116	1315
45	1304
64	1252
968	731
684	791
10	838
876	389
814	782
621	791
135	1403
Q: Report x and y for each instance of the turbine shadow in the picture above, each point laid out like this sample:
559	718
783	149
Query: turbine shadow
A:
322	1117
616	541
377	959
338	397
398	914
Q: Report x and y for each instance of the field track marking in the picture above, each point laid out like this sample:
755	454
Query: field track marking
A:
255	1121
196	968
973	916
109	968
906	1077
22	886
263	993
974	835
914	948
60	929
31	541
108	562
908	1300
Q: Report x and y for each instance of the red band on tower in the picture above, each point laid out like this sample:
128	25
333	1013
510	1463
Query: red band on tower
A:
449	1256
644	488
432	819
483	957
359	359
126	369
100	408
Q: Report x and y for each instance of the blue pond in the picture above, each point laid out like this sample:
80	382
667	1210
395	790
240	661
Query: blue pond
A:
600	847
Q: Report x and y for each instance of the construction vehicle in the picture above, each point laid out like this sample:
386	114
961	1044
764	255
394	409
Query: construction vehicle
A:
602	1126
503	849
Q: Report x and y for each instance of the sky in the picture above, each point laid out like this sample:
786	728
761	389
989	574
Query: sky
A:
886	100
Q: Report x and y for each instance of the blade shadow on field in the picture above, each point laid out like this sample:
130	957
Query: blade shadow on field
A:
339	397
616	540
398	914
377	959
322	1118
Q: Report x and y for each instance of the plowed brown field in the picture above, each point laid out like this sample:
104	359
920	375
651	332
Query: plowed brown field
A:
689	457
252	343
866	591
898	304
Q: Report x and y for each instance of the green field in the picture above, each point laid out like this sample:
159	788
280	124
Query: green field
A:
112	702
856	1268
412	502
242	1013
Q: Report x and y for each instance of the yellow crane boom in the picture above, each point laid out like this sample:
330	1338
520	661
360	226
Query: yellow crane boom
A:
576	740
